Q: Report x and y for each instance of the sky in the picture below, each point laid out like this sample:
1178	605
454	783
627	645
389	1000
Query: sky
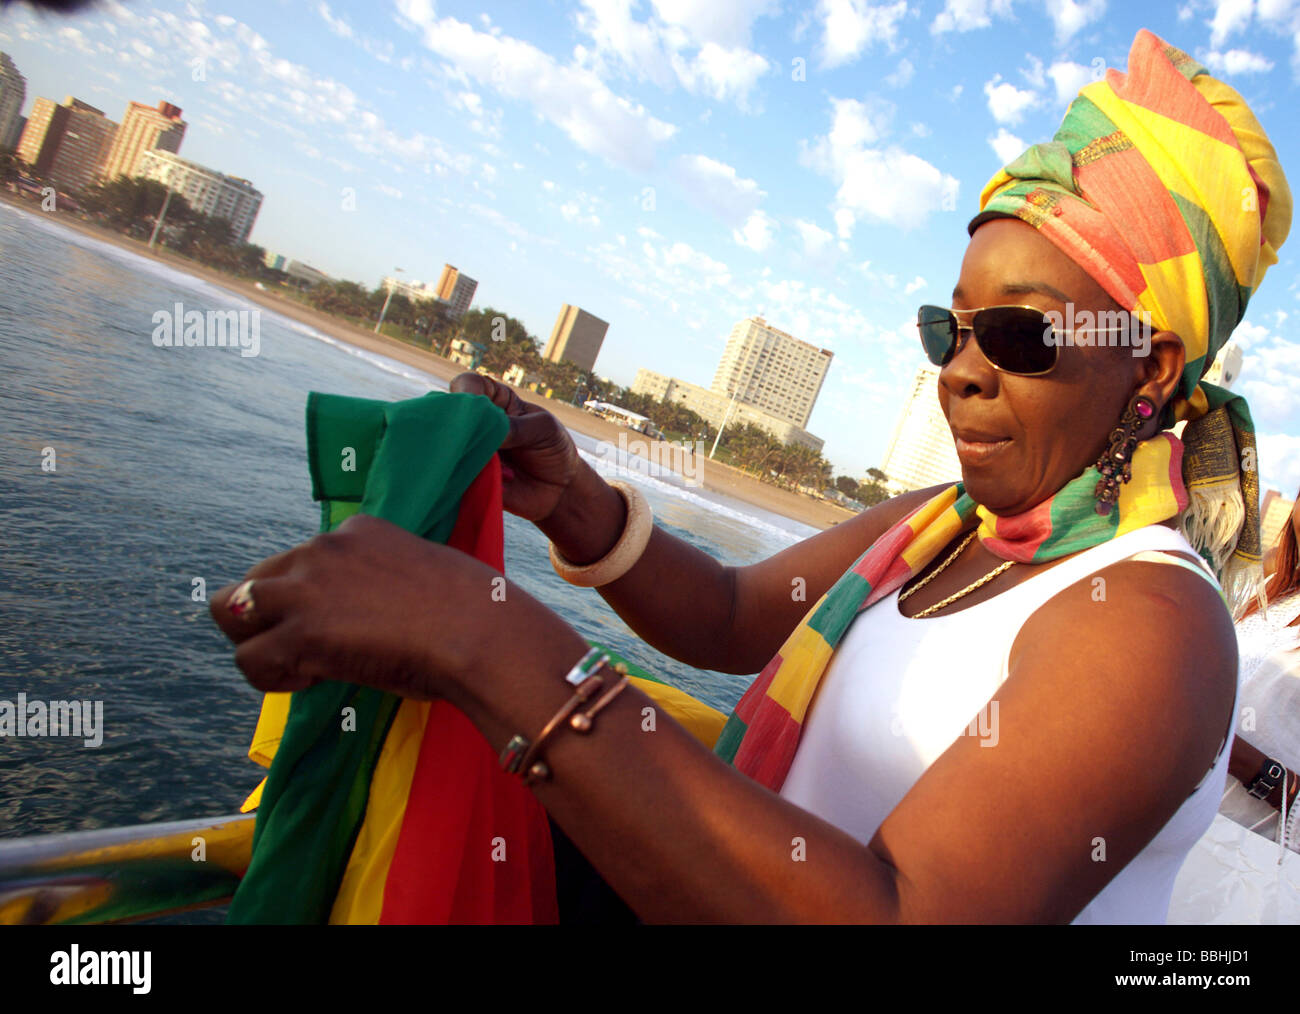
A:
671	166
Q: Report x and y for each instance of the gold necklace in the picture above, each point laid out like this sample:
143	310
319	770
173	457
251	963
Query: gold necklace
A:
930	610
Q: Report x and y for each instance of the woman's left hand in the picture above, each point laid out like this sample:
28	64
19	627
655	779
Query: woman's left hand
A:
370	603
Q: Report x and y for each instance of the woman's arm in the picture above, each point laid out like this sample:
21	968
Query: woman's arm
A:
1110	716
686	604
678	599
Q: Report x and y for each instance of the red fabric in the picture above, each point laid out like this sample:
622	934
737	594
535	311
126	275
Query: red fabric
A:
475	845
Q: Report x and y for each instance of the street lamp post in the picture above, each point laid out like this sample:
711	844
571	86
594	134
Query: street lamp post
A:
157	226
725	419
387	300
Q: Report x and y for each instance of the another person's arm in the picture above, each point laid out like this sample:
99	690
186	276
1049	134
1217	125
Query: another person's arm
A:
1244	765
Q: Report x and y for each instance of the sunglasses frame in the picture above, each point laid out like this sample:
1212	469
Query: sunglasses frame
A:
960	343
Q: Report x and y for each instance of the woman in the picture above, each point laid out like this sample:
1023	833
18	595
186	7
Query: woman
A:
855	795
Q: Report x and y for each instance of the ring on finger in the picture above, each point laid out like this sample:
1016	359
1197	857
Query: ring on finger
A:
241	602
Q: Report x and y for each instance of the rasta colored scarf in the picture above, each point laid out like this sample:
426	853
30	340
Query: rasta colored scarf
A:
762	734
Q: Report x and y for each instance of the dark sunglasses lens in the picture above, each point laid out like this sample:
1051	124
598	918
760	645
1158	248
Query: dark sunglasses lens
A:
1015	339
938	330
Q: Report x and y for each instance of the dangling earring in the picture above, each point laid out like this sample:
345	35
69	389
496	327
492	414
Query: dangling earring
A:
1116	465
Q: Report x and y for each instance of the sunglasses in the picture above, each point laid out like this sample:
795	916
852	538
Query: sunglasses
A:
1014	339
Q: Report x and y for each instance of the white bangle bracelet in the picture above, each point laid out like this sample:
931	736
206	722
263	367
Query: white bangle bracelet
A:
626	551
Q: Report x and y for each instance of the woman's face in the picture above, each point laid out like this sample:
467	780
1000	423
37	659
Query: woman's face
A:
1020	439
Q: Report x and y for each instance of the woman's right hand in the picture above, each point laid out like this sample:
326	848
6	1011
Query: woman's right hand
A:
540	460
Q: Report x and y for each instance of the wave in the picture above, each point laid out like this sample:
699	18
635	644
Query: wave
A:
380	362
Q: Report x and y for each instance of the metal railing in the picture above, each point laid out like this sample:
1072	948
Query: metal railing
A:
123	873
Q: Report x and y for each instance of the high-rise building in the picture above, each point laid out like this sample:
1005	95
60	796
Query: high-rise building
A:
456	289
1274	515
66	142
13	93
771	370
921	452
576	337
144	128
207	191
1226	367
41	134
718	410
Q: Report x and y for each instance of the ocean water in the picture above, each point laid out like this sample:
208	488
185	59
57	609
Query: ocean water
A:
177	464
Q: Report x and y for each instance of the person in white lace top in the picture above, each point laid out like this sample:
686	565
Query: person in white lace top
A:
1268	705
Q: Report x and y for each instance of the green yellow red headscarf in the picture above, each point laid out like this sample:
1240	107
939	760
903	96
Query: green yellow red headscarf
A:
1162	185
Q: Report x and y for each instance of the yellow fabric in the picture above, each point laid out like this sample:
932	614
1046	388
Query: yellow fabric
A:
360	898
266	739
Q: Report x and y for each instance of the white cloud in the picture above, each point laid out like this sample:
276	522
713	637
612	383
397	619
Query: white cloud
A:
1007	146
1237	61
884	185
717	187
339	26
915	285
722	74
573	212
902	75
1008	103
816	240
384	188
1279	462
1072	16
1230	16
1069	77
967	15
844	221
704	46
572	98
724	22
1034	72
854	125
756	233
851	26
75	38
894	186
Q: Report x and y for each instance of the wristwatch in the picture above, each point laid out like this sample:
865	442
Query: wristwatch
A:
1270	774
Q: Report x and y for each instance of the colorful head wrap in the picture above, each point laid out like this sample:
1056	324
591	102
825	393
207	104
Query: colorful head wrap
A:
1162	185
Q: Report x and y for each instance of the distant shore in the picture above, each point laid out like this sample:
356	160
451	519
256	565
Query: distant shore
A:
712	475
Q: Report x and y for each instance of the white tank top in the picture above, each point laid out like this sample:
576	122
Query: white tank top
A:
899	692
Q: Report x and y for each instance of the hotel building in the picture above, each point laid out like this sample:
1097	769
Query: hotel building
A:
921	452
576	337
455	289
772	371
67	142
207	191
144	128
13	93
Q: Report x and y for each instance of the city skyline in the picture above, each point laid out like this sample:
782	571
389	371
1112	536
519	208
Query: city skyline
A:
679	165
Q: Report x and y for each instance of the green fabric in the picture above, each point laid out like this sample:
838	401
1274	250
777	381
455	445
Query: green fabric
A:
407	462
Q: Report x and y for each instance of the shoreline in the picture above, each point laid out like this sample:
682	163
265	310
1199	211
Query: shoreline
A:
712	476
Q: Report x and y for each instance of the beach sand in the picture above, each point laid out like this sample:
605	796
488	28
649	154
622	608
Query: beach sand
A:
711	475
